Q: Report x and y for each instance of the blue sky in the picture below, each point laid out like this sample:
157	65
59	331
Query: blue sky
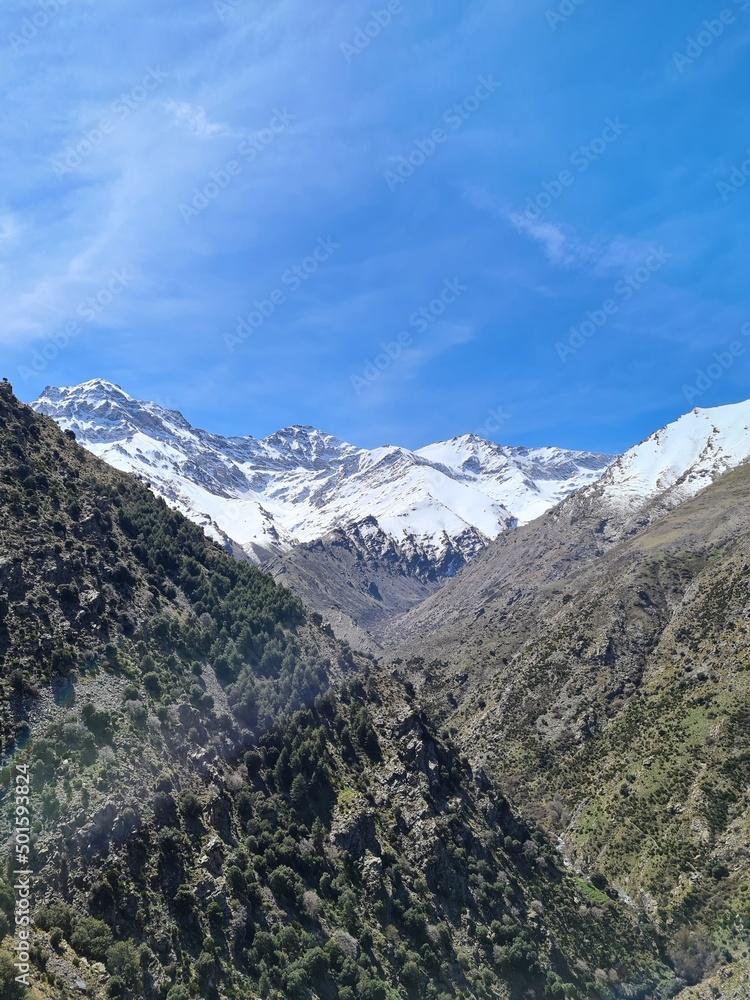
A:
477	181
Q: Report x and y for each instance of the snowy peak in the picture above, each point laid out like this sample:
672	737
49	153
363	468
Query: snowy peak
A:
681	459
102	411
440	505
97	389
307	446
474	454
529	480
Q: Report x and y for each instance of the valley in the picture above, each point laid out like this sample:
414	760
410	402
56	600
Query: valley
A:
457	757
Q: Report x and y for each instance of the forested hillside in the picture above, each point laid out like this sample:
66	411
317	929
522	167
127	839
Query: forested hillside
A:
226	801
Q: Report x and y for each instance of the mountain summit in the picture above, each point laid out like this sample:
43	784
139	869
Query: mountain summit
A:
681	459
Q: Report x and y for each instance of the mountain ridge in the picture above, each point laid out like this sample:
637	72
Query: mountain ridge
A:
101	413
424	513
654	477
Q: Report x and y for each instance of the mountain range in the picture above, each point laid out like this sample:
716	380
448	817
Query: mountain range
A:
305	504
365	536
637	490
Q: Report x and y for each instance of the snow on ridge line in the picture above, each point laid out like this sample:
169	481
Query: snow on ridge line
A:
689	453
299	483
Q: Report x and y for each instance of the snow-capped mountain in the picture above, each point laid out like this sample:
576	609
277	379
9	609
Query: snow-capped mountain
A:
678	461
441	504
515	577
526	480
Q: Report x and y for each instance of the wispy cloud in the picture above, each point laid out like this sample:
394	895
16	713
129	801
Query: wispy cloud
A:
192	119
560	247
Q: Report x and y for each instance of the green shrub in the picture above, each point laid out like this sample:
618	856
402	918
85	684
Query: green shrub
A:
315	963
63	660
216	914
99	722
102	897
283	882
372	989
7	900
55	914
190	805
295	983
152	684
184	900
411	974
171	842
91	938
236	881
7	908
178	993
117	988
9	988
206	968
123	961
165	809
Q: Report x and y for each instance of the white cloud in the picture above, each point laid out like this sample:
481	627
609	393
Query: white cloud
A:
560	247
562	244
193	119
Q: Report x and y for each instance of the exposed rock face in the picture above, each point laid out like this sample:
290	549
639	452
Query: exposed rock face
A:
372	873
354	832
